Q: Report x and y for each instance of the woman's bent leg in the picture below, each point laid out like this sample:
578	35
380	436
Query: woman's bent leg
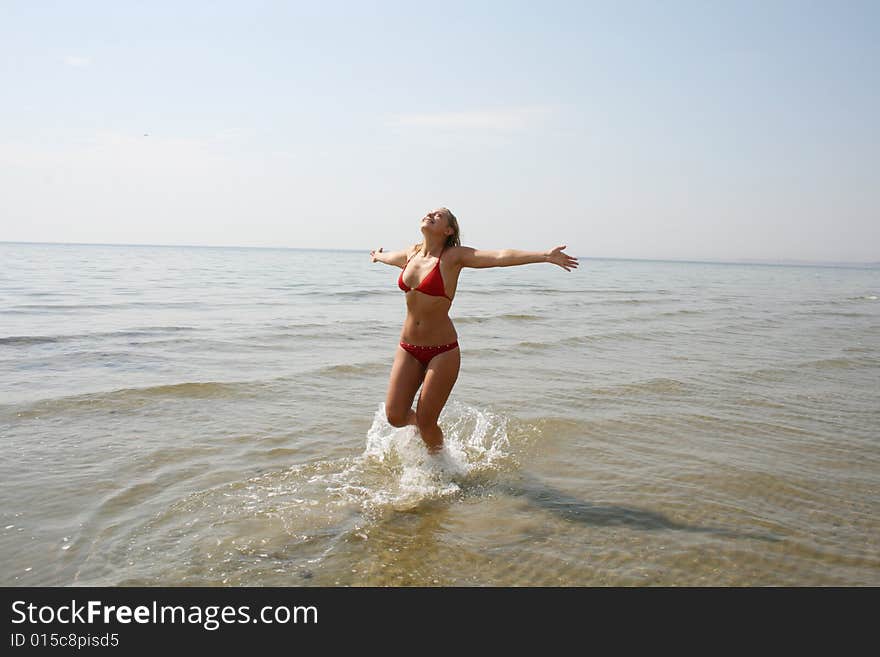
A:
406	376
440	376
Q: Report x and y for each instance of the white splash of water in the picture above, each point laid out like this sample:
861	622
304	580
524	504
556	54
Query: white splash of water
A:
474	440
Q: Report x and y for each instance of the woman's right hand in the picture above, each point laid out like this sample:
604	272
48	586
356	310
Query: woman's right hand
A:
374	253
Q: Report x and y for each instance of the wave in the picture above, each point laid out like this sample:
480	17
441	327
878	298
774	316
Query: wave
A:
359	324
683	311
526	289
355	369
830	313
660	386
236	346
200	389
838	363
774	374
759	402
630	302
534	345
513	317
24	340
578	340
133	398
860	350
352	294
507	289
30	308
284	337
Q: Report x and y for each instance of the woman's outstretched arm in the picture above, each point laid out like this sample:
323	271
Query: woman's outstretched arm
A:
396	258
481	258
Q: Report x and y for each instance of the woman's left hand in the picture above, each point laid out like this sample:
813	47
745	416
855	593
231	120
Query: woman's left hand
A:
557	257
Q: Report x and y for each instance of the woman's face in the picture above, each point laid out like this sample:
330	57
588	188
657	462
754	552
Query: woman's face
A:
436	222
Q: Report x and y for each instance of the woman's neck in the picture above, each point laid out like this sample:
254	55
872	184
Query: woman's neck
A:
433	248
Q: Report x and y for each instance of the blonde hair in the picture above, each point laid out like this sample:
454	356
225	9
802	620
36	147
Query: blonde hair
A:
451	240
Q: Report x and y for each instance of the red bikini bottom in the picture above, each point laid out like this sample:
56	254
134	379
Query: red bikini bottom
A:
426	353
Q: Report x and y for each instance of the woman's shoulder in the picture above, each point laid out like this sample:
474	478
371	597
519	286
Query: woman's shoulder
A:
454	253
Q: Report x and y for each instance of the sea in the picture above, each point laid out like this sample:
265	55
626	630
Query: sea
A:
212	416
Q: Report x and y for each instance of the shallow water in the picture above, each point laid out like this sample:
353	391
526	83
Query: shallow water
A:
214	416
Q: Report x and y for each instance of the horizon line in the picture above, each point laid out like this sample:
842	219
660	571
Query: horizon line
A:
707	260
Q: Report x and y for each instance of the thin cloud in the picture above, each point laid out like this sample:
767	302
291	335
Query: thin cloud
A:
518	118
77	62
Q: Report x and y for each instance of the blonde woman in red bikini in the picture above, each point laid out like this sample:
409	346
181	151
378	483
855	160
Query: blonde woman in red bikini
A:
428	353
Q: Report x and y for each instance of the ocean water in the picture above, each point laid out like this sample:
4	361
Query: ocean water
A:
214	416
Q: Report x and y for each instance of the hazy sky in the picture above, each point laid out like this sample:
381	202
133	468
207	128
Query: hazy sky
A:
726	129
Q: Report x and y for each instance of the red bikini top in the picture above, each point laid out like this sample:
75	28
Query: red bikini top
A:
432	284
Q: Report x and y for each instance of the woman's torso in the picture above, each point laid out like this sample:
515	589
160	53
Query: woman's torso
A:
427	316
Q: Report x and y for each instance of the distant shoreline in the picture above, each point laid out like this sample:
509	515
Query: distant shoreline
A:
734	261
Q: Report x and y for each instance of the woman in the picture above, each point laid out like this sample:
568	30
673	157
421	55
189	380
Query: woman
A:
428	353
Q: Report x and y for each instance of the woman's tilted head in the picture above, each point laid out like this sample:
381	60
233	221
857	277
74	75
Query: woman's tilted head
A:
441	223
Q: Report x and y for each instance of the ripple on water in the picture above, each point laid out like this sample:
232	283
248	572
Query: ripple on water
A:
291	520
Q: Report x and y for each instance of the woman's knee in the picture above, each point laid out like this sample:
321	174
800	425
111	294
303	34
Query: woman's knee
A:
396	418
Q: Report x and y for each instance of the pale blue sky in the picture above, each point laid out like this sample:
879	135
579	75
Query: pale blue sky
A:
648	130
